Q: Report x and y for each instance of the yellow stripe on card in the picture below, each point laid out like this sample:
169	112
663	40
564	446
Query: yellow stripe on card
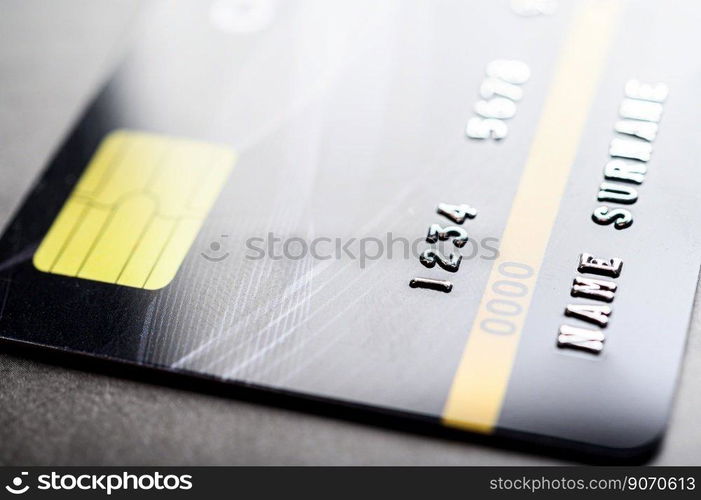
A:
136	210
479	386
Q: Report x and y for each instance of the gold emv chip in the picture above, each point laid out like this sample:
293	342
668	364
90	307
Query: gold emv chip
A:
136	210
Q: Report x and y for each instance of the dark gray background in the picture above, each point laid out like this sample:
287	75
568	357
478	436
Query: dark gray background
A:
53	56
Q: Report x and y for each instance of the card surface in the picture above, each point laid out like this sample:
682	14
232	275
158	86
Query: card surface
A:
476	214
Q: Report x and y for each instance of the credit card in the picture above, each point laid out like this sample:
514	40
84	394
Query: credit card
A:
477	215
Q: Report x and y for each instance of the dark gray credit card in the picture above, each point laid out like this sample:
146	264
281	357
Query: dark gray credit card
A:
478	214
